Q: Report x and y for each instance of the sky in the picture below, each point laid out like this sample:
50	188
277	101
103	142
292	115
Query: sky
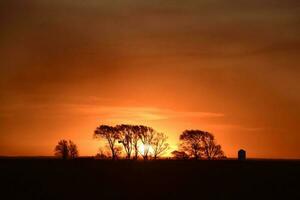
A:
227	67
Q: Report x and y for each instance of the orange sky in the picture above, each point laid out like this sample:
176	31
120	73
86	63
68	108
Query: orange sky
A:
229	67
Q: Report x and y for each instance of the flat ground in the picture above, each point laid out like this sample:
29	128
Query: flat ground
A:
165	179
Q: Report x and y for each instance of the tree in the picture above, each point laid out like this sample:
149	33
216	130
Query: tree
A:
126	133
135	140
191	143
111	135
73	150
66	149
62	150
159	144
146	135
180	155
200	144
209	148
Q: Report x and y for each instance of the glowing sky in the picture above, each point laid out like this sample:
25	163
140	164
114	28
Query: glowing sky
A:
229	67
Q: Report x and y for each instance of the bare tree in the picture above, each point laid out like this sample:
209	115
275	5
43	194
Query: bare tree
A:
111	135
159	144
146	135
62	150
73	150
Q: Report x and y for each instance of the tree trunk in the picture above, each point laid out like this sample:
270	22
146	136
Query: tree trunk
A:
136	153
113	155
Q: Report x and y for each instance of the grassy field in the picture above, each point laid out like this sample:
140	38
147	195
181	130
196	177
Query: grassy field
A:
165	179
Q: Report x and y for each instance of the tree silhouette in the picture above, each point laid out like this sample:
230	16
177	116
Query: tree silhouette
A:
126	133
209	148
135	140
131	137
198	144
111	135
191	143
73	150
65	149
159	144
146	135
62	150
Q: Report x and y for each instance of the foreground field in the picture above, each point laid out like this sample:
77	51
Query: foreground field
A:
165	179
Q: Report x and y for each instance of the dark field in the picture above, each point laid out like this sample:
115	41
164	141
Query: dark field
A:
165	179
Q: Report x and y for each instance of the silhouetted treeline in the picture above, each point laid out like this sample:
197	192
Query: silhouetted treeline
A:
134	141
139	141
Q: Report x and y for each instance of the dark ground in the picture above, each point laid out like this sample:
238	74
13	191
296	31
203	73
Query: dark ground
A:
165	179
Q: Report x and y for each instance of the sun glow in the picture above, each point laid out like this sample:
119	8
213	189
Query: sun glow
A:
144	148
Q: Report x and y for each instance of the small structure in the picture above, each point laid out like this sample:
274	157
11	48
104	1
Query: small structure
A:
241	154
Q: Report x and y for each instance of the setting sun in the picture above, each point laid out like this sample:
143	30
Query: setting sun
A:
144	148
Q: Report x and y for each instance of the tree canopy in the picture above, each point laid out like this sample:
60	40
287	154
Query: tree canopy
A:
133	139
200	144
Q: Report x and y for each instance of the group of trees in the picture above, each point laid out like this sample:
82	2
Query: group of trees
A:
198	144
66	150
132	141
